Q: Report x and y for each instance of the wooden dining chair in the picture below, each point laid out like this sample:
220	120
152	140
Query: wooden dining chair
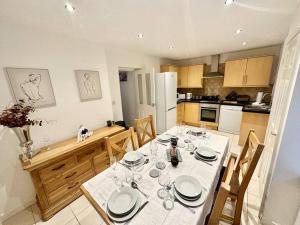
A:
117	145
234	188
145	130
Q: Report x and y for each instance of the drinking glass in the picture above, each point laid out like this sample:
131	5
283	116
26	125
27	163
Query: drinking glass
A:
164	180
190	147
153	151
203	129
113	164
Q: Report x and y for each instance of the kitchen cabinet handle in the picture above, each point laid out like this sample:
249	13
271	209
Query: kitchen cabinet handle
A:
69	176
59	167
73	185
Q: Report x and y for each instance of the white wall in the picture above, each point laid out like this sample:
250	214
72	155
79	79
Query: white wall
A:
26	47
283	200
129	104
117	58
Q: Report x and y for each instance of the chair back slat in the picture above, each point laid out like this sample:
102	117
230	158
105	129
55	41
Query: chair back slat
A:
145	130
117	145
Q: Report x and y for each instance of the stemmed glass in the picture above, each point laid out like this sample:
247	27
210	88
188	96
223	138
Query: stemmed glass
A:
164	180
153	151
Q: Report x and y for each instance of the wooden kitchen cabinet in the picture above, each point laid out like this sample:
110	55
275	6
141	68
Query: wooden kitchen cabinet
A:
191	113
256	121
250	72
182	77
168	68
258	71
180	113
235	73
195	76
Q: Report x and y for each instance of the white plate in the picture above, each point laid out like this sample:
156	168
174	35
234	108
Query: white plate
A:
188	186
133	156
206	152
196	203
164	137
122	201
130	215
205	159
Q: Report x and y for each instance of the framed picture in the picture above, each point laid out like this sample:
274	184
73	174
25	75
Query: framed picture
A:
31	85
88	84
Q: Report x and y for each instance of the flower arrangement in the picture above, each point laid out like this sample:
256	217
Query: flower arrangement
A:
18	116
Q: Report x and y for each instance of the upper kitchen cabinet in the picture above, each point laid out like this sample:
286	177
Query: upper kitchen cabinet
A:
235	73
182	77
168	68
195	76
251	72
258	71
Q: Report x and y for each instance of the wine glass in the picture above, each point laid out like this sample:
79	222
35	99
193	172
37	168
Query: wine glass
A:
164	180
203	129
153	150
113	164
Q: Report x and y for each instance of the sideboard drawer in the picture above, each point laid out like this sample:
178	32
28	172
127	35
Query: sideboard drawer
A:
56	168
89	152
57	195
67	176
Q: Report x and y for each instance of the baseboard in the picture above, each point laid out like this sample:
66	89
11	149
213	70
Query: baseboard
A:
15	211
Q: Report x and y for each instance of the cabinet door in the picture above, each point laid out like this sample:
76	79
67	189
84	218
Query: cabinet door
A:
180	113
195	76
235	73
183	76
168	68
191	112
259	71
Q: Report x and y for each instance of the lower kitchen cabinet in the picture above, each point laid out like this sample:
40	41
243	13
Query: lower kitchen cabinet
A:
180	113
255	121
191	113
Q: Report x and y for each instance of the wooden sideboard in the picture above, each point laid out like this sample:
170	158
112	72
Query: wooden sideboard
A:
59	169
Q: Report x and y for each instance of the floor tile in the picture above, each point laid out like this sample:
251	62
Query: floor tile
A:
61	218
25	217
73	222
79	205
89	216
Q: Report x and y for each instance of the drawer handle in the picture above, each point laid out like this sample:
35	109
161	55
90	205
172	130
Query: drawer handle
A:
89	153
73	185
59	167
70	175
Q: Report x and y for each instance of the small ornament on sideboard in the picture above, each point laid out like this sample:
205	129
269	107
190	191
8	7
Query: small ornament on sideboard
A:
83	133
17	118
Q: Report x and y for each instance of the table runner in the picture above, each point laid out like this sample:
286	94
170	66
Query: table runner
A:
101	186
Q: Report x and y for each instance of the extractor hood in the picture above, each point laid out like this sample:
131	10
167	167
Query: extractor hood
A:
214	72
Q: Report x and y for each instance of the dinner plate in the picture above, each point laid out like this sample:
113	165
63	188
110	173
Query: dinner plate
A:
122	201
196	203
206	152
188	186
133	157
164	137
186	198
205	159
130	215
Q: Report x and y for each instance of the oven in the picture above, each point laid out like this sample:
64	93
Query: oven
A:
209	112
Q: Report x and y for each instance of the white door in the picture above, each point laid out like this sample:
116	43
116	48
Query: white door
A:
282	96
145	93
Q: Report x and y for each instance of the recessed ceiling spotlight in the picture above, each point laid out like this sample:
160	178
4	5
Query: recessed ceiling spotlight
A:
238	31
140	35
171	47
228	2
69	7
244	43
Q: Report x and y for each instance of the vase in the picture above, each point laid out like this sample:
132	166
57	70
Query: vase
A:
23	134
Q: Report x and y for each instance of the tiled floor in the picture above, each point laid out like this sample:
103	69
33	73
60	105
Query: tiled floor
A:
80	212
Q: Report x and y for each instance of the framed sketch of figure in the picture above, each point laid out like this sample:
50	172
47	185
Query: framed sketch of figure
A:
31	85
88	84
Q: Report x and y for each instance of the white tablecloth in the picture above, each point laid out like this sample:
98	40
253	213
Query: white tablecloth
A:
101	186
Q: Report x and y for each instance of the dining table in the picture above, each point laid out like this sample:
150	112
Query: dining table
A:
99	188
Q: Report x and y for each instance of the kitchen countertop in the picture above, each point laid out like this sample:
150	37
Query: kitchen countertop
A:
233	103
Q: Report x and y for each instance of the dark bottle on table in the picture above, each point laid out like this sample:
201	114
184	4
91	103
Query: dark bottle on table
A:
174	157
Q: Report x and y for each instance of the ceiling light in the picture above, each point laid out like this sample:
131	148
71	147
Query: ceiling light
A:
140	35
228	2
171	47
238	31
69	7
244	43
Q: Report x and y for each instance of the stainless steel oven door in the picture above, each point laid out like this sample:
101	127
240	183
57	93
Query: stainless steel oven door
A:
209	112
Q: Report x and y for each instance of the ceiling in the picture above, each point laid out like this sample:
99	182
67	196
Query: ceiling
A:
194	27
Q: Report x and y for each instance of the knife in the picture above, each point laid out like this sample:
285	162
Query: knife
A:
140	209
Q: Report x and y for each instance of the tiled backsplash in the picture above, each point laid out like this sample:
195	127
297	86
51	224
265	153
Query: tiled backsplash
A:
214	86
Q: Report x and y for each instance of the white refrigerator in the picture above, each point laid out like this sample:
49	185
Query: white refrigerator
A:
166	100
